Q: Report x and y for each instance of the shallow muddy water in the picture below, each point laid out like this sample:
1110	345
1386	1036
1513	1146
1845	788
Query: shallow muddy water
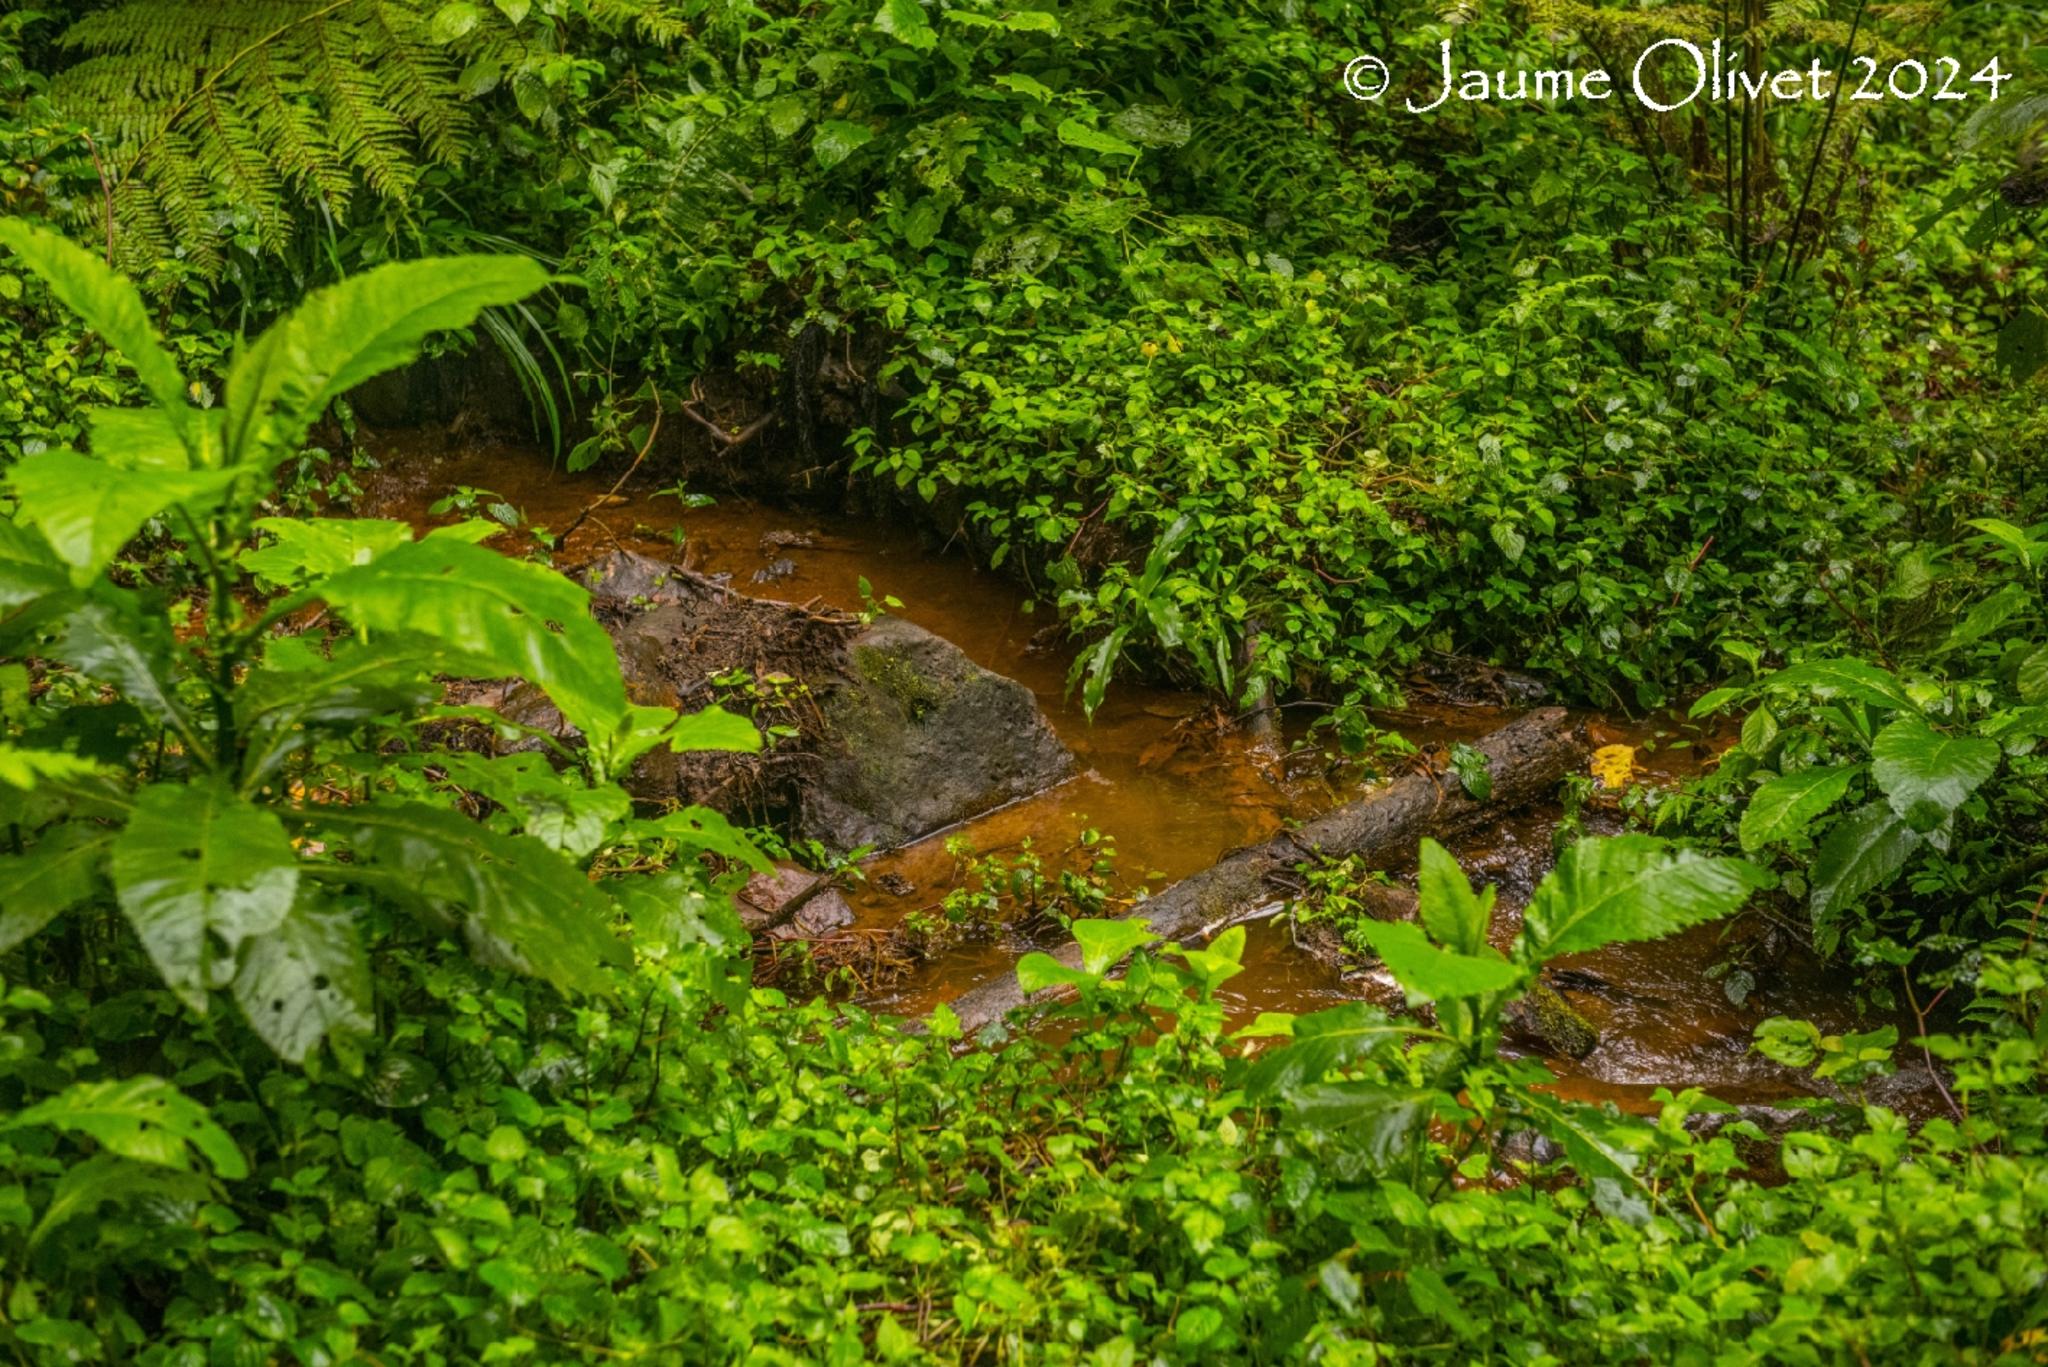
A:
1155	775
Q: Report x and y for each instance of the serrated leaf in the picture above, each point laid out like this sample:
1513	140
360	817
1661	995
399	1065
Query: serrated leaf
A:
1781	809
305	979
144	1118
521	905
1322	1043
1430	973
109	304
88	510
1454	915
1863	852
1924	774
198	871
523	619
1846	678
1631	887
49	878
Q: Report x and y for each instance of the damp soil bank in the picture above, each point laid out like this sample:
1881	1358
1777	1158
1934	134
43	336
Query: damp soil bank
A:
1172	790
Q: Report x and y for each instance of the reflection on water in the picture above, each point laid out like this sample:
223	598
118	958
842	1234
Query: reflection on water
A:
1173	791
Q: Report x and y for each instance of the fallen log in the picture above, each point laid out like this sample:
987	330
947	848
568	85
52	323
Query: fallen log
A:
1527	758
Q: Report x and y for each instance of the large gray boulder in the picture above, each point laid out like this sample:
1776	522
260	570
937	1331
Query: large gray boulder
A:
888	732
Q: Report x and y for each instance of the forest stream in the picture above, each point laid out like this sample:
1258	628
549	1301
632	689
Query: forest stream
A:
1172	793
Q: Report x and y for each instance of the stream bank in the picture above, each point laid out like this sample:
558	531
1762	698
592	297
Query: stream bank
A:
1174	791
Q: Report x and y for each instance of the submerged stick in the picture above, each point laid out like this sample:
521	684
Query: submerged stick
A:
1527	758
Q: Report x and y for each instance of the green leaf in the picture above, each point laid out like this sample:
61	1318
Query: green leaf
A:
29	569
521	905
905	21
104	1177
1595	1144
1863	852
354	331
139	438
1781	809
1323	1043
1474	771
88	510
454	20
108	637
109	304
2023	344
1375	1124
714	728
1037	971
198	871
1631	887
2032	679
305	979
1988	615
1454	915
521	618
144	1118
1848	678
1430	973
700	830
1105	943
1075	133
836	140
1016	21
304	549
1926	775
30	769
2012	538
51	877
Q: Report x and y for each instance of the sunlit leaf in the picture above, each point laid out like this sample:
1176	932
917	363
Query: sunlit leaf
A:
1631	887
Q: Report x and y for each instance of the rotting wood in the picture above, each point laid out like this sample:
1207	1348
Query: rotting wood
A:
1527	758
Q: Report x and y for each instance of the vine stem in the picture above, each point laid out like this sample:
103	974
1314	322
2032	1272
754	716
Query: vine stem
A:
1820	150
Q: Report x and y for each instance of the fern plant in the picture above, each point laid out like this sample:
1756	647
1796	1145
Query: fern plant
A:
227	119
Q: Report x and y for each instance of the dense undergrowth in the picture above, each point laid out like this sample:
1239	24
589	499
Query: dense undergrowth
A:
324	1038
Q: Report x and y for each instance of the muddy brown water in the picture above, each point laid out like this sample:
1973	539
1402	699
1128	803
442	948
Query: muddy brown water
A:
1170	791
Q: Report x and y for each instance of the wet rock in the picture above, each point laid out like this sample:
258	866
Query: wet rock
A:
771	542
896	885
922	737
792	903
775	571
891	732
1544	1021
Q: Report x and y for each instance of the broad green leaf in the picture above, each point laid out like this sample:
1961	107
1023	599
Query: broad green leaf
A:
1783	808
1428	972
700	830
2032	679
1848	678
144	1118
104	1177
1988	615
354	331
88	510
559	810
1017	21
108	637
51	877
836	140
1713	701
520	905
198	871
456	19
2012	538
138	439
1926	775
29	769
524	620
108	303
304	549
1596	1144
1221	961
306	979
1322	1043
1075	133
1456	916
282	707
905	21
1036	972
714	728
1370	1124
1863	852
29	569
1631	887
1105	943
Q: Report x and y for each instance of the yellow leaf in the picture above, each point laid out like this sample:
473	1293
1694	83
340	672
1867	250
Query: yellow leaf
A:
1614	765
